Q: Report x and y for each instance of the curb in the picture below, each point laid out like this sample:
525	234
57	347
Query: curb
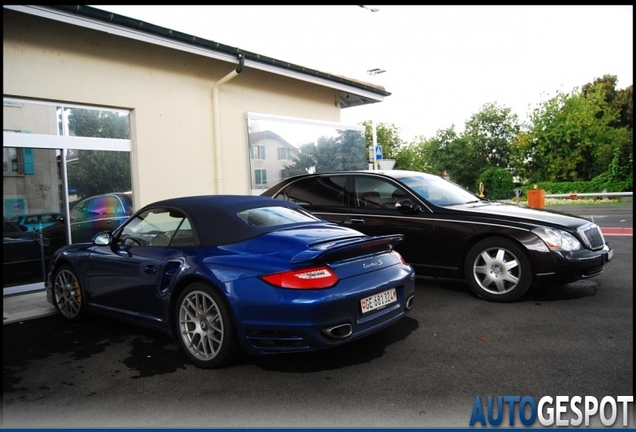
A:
24	307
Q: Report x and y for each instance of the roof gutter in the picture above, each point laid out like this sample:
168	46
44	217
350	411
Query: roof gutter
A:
217	122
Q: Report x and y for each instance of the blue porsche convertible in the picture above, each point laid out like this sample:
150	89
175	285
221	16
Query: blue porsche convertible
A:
227	274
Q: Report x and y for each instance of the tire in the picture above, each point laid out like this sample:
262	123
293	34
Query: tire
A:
68	295
205	327
498	270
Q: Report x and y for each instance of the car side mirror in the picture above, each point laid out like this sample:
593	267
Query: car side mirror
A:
103	238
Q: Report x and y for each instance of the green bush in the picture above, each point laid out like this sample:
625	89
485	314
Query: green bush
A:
498	183
601	183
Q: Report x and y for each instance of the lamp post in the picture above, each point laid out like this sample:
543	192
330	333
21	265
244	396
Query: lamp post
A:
374	72
369	9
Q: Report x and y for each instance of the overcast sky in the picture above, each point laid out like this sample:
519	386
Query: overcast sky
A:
443	63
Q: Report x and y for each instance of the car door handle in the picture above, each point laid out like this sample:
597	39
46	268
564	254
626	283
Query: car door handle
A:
149	268
356	221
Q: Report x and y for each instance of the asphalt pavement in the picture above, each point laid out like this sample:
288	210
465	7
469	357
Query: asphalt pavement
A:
426	372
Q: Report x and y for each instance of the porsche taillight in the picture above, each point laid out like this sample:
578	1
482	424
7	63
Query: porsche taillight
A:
401	257
308	278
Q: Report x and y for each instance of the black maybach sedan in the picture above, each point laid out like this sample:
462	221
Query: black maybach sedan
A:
500	249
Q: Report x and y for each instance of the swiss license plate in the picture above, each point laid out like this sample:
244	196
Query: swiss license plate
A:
378	301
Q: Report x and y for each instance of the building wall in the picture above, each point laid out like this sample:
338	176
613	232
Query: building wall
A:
169	93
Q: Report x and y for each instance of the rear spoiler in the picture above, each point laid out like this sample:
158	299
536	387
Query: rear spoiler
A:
347	248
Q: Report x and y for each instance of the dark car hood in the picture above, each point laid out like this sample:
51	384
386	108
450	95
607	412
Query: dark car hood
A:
497	210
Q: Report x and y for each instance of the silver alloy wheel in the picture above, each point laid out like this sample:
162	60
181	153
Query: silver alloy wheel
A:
67	293
201	325
496	270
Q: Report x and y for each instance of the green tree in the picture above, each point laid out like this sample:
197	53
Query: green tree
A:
490	132
621	167
574	136
97	172
571	138
411	156
387	136
305	162
450	152
346	151
98	124
497	183
619	100
484	144
624	102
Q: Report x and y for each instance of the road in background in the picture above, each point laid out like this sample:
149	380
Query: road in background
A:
613	219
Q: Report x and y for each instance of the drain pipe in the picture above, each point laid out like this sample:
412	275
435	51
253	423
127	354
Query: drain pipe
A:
217	123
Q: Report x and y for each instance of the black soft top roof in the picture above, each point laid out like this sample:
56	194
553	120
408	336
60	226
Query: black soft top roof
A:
215	217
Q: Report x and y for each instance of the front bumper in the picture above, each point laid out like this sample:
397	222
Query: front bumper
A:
577	265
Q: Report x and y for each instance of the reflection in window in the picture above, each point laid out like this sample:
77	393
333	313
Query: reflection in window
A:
260	177
275	216
18	161
94	172
95	123
258	152
158	228
11	161
302	146
284	153
317	191
30	200
34	183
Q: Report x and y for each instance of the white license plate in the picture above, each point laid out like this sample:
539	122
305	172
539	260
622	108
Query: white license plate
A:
378	301
610	254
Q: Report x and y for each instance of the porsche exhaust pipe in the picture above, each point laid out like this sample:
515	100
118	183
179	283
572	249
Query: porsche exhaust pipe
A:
409	302
340	331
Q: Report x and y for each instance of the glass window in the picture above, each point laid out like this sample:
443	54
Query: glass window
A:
284	153
258	152
52	161
11	161
158	228
302	146
260	177
275	216
80	211
317	191
107	205
439	191
95	123
372	192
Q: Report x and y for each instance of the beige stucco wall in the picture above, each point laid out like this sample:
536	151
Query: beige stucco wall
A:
169	93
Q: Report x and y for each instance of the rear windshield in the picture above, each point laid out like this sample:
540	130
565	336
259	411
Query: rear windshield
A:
262	217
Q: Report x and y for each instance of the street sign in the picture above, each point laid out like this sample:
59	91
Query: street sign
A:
386	164
378	152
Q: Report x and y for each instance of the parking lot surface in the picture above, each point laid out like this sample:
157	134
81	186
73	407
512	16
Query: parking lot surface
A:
424	372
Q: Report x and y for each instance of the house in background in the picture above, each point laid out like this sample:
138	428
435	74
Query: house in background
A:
145	108
270	155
